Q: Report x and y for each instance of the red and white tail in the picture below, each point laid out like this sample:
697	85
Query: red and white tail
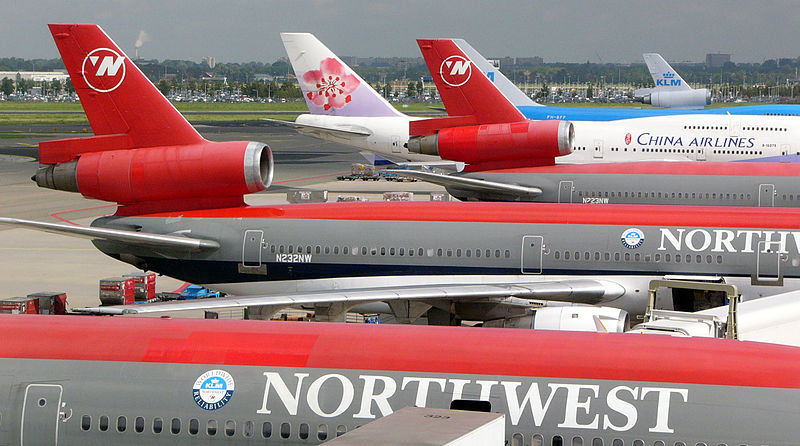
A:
124	108
464	89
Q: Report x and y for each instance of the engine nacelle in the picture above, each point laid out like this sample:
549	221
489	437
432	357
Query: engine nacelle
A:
698	98
477	144
569	317
157	174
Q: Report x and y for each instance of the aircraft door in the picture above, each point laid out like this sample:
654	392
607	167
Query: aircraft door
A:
598	149
396	146
41	410
701	154
251	253
565	191
768	266
766	195
532	247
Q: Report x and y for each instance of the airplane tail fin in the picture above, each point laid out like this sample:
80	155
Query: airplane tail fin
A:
664	76
329	86
509	90
125	110
464	91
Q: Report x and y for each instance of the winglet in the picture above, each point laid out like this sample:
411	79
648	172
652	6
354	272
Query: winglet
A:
117	97
329	86
465	91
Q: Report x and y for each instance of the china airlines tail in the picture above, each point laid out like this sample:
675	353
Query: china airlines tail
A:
124	108
329	86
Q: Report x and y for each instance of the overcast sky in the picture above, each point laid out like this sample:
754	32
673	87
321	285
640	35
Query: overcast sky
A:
558	31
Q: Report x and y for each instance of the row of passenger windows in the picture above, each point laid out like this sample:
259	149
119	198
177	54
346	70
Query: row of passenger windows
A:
636	257
557	440
766	129
705	127
739	152
211	429
679	195
391	251
780	114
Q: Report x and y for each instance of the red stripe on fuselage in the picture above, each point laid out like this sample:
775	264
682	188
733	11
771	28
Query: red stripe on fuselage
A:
459	350
667	168
487	212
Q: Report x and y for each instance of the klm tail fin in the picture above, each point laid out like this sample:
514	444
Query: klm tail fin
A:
464	91
118	99
664	76
509	90
329	86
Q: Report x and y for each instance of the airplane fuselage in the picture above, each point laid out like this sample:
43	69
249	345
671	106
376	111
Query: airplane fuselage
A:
329	246
678	183
684	137
129	381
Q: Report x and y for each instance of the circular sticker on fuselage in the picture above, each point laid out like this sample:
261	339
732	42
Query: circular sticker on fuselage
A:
632	238
213	389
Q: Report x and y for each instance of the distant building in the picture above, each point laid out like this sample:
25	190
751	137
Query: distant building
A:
211	61
716	60
36	76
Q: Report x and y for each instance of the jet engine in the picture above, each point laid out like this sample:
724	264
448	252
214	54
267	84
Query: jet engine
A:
157	174
569	317
698	98
514	141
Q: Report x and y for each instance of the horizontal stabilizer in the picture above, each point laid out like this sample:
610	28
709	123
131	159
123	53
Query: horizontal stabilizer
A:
157	241
315	130
479	187
588	291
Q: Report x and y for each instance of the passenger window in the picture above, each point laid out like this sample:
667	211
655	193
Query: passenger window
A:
158	425
308	250
286	430
283	249
341	430
318	249
194	426
175	427
230	428
698	259
402	251
122	424
303	431
537	440
469	253
508	254
516	439
627	257
677	258
391	251
477	253
322	432
638	443
449	253
497	253
557	440
363	250
373	251
86	422
138	424
667	257
657	257
606	256
616	257
557	255
327	250
291	249
211	428
383	251
439	252
420	251
266	429
103	425
249	429
598	442
617	442
566	255
577	441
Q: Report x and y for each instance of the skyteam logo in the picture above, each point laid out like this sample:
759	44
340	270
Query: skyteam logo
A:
213	389
455	71
103	70
632	238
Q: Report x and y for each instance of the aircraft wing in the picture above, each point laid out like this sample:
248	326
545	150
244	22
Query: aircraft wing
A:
314	130
158	241
587	291
512	191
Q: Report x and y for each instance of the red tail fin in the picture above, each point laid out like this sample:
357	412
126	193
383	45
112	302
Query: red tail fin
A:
117	97
465	90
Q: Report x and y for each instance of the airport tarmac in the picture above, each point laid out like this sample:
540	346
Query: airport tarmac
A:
32	261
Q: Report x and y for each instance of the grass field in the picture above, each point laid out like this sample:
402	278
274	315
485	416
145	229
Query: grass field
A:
194	111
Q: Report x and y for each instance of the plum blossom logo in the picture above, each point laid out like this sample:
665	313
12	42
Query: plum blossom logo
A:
627	139
331	85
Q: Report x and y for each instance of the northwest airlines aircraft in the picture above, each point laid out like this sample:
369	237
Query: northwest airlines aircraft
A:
71	380
353	113
476	260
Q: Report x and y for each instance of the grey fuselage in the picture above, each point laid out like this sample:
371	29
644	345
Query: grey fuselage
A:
333	246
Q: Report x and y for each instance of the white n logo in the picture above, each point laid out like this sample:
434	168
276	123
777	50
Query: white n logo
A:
459	67
108	66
